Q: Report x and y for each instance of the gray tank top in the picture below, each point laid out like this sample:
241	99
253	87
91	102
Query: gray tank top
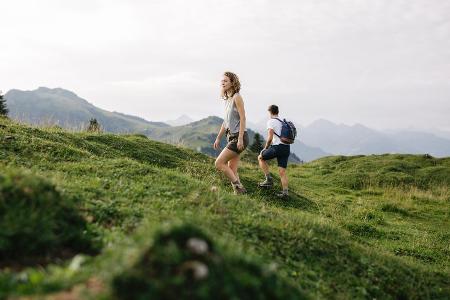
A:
232	120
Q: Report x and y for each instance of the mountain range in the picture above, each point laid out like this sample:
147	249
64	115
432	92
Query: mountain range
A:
180	121
358	139
64	108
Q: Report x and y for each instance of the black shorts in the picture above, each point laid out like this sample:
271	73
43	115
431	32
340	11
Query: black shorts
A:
281	152
233	139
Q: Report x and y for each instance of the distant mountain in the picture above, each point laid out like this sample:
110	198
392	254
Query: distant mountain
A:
440	133
416	142
64	108
303	152
307	153
437	132
358	139
199	135
260	126
180	121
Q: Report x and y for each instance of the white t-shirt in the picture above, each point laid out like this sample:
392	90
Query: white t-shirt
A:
276	126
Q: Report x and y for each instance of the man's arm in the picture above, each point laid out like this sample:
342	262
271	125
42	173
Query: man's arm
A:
269	138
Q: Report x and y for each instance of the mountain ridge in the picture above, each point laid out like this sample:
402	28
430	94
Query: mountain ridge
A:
342	139
320	138
65	108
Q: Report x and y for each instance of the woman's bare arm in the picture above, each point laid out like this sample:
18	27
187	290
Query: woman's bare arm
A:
240	107
219	137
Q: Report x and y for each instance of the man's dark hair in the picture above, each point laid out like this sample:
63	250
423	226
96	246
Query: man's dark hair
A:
273	109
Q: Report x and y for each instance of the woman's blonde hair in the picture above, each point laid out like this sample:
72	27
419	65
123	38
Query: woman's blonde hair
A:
235	84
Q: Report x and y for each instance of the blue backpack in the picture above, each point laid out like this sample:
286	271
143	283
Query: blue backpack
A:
288	132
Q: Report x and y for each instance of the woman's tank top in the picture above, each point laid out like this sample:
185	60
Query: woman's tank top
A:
232	120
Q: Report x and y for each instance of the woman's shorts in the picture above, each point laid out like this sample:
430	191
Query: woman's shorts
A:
281	152
233	140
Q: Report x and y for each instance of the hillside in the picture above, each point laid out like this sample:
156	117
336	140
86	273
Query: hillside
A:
159	220
45	106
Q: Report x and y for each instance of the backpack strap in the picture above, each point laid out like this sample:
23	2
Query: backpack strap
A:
278	120
274	130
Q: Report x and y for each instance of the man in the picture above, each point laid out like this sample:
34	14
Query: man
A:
274	148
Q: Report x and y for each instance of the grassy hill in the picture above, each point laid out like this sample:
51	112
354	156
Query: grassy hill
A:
158	220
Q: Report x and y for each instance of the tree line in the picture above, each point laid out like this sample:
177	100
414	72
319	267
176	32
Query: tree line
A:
3	108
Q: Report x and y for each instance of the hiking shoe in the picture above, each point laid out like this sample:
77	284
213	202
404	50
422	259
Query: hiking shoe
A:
266	183
282	195
239	189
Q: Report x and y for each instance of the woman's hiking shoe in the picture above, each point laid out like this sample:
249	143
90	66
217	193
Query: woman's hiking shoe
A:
239	189
266	183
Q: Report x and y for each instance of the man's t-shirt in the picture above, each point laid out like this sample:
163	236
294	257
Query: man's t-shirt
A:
276	125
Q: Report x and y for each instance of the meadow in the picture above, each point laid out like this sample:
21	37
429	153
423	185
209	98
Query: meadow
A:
108	216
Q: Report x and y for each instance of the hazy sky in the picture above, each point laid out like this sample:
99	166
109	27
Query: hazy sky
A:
383	63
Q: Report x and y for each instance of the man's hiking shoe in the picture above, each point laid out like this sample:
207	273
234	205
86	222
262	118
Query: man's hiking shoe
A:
268	183
283	195
239	189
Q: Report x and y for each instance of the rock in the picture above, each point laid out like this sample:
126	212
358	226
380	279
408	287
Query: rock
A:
198	269
197	246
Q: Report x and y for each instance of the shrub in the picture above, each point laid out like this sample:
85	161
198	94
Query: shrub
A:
258	142
36	221
94	126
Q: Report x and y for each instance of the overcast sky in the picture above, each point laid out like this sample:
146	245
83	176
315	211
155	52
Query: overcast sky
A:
383	63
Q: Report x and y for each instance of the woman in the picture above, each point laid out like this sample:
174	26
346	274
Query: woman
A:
234	127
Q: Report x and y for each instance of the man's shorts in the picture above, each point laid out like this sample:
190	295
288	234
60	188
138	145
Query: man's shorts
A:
281	152
233	140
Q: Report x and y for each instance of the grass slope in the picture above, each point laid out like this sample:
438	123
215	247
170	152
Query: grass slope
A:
354	227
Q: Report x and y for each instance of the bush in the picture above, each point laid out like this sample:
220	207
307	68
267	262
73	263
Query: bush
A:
94	126
431	176
183	263
36	221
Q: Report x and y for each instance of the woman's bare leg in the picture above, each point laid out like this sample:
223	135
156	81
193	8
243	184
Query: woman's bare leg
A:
222	163
234	164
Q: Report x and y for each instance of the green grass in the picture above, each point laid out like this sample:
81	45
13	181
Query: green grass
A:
37	222
359	227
